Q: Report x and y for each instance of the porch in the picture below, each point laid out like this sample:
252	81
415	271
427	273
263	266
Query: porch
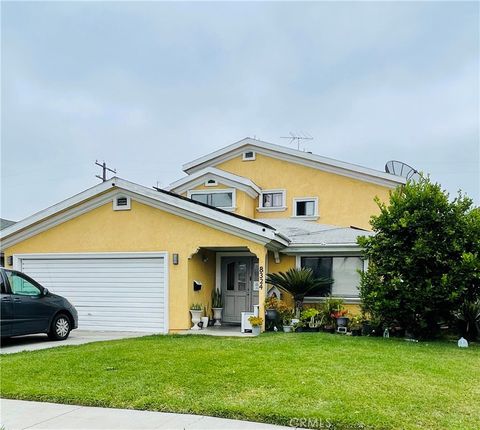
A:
238	273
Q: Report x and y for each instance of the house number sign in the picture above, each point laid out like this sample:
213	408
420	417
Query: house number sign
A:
260	277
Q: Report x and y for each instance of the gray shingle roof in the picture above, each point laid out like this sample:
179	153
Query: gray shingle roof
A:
308	232
4	223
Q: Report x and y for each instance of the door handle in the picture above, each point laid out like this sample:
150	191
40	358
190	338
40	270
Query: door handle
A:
6	299
17	299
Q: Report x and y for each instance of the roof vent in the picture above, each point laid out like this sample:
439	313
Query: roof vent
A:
248	156
121	203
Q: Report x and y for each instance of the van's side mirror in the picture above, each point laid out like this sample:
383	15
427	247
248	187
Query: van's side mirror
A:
45	291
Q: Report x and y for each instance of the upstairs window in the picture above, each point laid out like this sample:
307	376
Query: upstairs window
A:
217	199
306	207
272	200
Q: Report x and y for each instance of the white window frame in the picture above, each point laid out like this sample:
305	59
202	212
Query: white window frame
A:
223	190
273	208
313	217
126	207
354	300
211	184
244	157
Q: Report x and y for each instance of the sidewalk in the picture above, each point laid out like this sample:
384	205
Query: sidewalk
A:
19	414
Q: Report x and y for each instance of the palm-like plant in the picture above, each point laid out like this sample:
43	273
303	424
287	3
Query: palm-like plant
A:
298	282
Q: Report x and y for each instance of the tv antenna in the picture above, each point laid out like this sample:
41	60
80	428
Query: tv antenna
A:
399	168
104	170
297	137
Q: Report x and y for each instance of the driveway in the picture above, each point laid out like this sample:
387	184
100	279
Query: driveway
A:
19	415
77	337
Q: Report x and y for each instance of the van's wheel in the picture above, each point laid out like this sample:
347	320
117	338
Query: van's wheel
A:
60	328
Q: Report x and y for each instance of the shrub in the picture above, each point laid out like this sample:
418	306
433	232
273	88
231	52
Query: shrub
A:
424	258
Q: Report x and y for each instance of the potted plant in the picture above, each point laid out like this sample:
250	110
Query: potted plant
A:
286	315
356	325
205	318
341	318
310	319
256	323
329	309
196	310
271	313
217	306
298	282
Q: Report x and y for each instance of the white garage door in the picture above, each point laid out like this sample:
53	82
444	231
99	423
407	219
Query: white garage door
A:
110	291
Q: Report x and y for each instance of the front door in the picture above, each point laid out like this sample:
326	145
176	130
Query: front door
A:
239	277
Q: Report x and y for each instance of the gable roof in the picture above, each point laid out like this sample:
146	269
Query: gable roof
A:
103	193
210	172
305	158
4	223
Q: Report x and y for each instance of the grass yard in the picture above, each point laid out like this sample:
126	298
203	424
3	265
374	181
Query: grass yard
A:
347	382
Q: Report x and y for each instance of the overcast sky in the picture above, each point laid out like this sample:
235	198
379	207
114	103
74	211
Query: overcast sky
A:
150	86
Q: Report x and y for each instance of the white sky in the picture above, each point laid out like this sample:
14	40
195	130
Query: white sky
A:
149	86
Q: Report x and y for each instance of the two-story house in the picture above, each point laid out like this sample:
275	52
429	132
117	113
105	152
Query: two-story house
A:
135	258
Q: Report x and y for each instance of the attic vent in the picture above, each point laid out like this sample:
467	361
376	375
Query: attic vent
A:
121	203
249	155
211	183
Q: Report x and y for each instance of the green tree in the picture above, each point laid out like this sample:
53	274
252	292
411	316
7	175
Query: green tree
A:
424	260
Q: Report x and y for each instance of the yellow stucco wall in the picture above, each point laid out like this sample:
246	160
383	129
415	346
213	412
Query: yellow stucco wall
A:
342	201
201	267
245	205
143	228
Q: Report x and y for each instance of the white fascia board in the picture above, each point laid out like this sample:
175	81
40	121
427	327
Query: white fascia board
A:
316	249
304	158
73	207
222	176
52	210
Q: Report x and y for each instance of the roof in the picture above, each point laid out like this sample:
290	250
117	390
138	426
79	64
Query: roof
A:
165	200
305	158
210	172
4	223
308	234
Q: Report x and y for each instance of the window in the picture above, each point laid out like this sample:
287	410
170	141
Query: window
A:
230	276
306	207
218	199
321	267
345	272
272	200
121	203
248	156
21	285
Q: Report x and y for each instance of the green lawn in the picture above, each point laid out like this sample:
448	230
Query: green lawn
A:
347	382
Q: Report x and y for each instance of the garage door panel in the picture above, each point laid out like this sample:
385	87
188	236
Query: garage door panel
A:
125	293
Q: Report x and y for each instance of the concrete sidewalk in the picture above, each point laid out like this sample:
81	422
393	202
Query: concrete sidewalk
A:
18	415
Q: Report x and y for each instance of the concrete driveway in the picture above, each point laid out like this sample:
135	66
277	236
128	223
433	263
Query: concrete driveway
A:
77	337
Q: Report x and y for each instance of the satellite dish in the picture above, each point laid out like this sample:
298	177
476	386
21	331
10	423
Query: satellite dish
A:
399	168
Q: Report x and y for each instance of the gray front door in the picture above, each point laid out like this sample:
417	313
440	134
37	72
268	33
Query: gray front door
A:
239	276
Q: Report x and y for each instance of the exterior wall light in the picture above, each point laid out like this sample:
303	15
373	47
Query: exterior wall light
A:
175	259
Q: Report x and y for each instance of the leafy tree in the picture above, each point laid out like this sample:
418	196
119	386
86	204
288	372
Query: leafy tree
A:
297	282
424	260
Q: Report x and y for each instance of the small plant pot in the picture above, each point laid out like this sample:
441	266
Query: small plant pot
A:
342	321
217	316
196	315
287	328
256	330
271	314
205	322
